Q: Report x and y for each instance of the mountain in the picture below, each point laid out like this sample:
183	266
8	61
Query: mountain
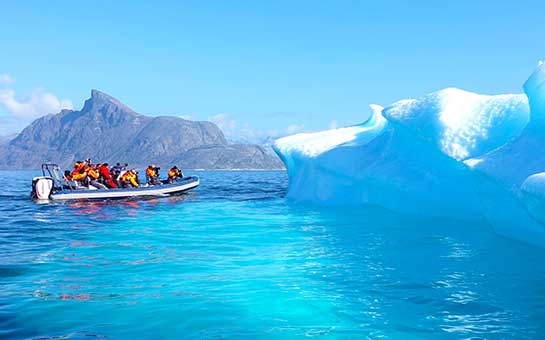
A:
6	139
107	130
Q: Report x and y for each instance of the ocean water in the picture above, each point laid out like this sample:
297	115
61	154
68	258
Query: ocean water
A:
234	260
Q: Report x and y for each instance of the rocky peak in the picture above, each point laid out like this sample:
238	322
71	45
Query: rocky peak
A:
101	101
108	130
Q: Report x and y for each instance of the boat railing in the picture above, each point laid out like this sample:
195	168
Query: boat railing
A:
52	170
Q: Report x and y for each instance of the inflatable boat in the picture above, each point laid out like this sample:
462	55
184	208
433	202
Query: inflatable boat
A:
50	186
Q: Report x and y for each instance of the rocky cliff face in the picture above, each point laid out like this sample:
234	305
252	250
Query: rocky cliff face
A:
107	130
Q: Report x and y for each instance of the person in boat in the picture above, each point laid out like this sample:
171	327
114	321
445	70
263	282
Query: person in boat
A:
117	171
137	177
152	175
105	176
93	177
79	174
130	179
173	174
67	175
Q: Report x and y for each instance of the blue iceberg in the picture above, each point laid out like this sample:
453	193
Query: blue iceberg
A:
451	153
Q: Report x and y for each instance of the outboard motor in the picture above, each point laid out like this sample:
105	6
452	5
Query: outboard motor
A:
41	188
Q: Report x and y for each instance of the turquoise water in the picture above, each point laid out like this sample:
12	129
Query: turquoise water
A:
234	260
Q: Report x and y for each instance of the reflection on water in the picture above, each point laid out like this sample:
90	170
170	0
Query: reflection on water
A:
233	260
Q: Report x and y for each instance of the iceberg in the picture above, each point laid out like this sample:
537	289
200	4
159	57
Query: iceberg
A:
451	153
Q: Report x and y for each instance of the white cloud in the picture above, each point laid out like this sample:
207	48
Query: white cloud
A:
36	104
187	117
23	110
245	133
235	132
294	128
225	122
231	128
5	79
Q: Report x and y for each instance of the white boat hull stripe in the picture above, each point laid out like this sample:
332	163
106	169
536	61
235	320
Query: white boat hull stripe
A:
157	190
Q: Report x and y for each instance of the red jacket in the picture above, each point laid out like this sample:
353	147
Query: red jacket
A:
105	173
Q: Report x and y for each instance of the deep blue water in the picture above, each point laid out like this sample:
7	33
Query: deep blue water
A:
233	259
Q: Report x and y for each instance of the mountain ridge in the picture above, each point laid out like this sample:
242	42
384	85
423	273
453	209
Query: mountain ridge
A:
106	129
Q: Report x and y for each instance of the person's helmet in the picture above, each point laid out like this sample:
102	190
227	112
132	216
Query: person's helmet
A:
175	167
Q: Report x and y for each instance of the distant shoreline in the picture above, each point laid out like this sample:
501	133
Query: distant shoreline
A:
141	168
236	169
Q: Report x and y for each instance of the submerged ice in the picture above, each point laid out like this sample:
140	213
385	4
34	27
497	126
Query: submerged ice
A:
451	153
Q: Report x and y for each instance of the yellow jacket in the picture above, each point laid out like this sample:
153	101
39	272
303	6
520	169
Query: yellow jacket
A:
79	177
79	174
129	177
93	173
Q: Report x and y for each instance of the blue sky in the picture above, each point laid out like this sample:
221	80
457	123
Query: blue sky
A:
260	66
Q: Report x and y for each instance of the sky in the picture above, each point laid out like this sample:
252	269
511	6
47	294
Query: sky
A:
259	68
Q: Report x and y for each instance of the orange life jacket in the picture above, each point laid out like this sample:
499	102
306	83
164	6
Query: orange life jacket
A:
150	172
173	173
78	174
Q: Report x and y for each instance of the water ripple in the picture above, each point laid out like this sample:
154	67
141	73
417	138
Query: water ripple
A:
233	259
